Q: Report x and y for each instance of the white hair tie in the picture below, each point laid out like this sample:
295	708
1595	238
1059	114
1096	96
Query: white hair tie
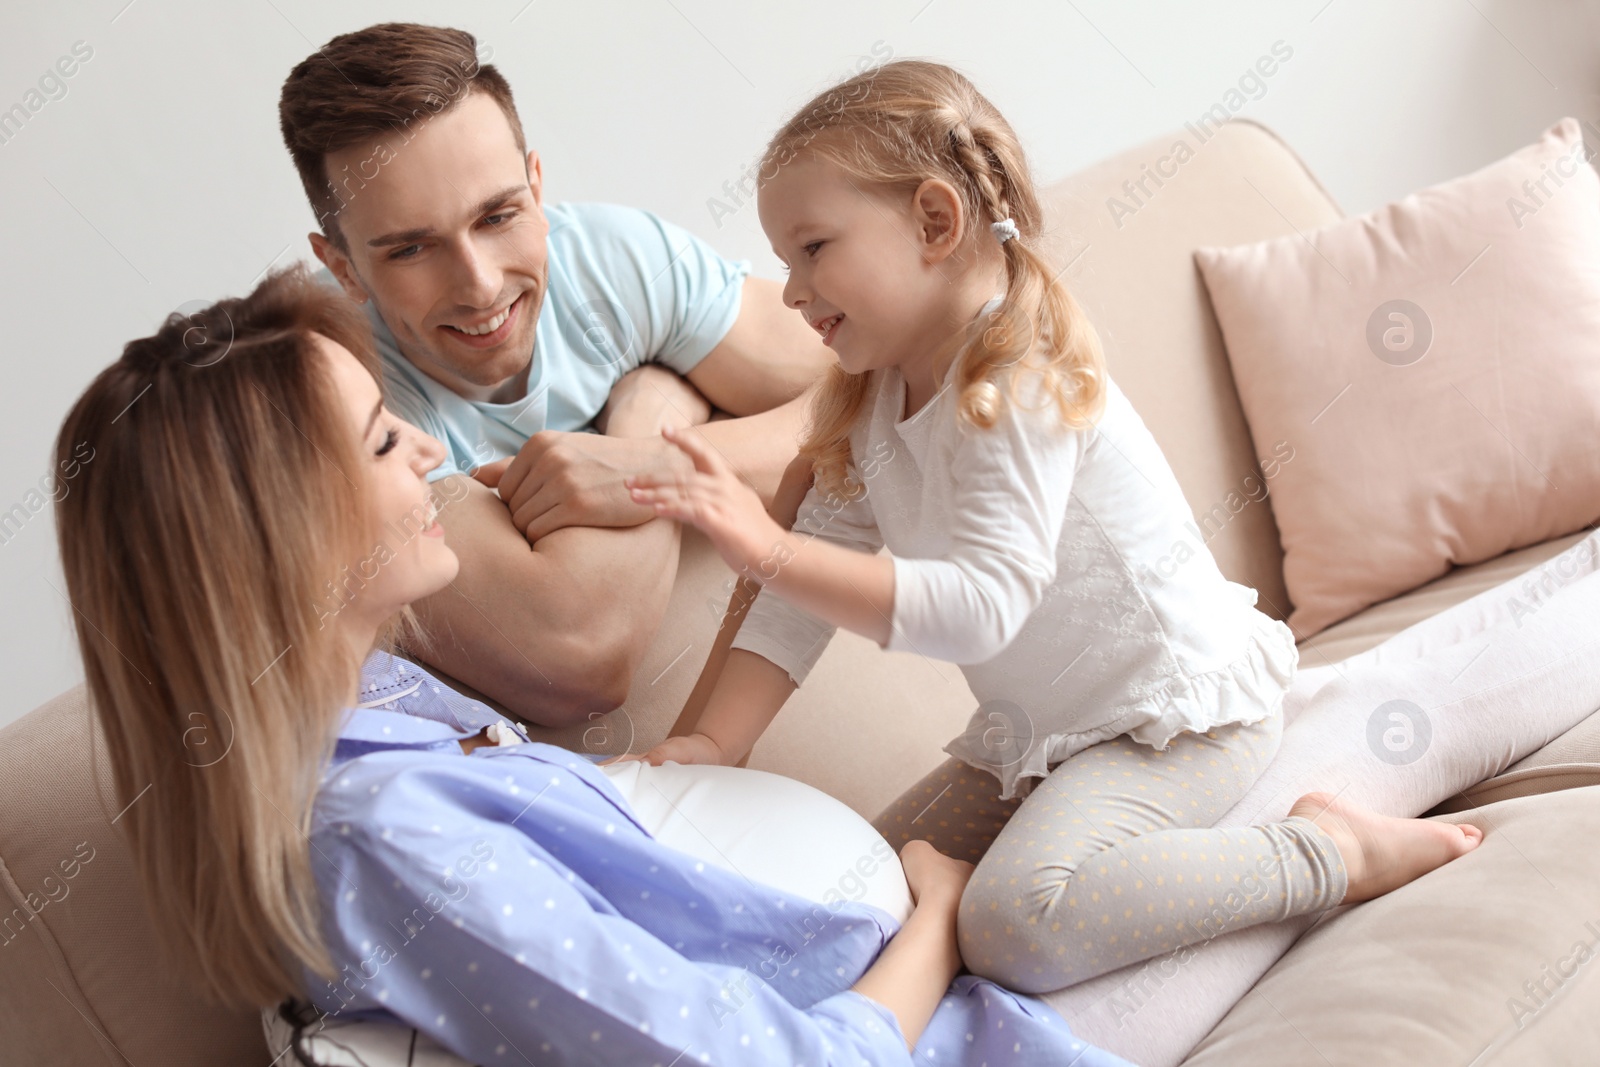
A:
1005	229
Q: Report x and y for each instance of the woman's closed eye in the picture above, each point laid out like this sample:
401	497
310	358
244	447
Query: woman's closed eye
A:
390	439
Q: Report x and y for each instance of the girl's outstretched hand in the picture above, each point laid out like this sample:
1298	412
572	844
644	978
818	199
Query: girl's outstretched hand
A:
717	501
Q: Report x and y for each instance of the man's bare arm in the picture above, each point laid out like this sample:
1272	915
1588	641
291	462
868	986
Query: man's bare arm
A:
551	630
554	626
767	358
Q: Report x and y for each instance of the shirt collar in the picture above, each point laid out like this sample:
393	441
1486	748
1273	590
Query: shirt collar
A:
403	706
394	728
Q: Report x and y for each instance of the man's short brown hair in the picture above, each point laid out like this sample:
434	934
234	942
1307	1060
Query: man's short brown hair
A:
372	83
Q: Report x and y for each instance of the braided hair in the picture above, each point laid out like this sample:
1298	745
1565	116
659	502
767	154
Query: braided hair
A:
898	125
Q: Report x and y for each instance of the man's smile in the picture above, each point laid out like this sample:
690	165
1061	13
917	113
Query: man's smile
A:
487	331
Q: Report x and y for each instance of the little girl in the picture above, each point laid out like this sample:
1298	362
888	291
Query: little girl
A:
970	428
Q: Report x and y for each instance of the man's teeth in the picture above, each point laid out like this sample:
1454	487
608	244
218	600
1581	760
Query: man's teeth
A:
489	327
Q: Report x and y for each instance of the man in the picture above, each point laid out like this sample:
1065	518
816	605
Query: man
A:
510	329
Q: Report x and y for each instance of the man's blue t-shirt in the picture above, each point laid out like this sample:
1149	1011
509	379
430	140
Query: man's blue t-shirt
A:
625	288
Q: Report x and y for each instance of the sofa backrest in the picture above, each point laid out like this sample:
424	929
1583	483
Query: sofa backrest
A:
81	978
1125	231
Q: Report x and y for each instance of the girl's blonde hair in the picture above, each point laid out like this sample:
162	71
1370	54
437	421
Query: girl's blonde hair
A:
213	468
896	126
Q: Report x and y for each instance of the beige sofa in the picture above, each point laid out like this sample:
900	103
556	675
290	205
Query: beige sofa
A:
1426	975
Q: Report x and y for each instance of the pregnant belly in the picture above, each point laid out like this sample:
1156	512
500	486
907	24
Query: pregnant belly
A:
768	828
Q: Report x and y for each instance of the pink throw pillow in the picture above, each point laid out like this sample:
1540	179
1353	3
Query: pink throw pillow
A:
1436	366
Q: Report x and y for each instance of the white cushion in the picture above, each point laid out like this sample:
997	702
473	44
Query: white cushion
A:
769	828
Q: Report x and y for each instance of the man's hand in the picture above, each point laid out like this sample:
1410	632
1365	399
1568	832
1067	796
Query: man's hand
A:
562	479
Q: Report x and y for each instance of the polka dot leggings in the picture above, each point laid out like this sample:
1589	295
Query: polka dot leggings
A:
1113	858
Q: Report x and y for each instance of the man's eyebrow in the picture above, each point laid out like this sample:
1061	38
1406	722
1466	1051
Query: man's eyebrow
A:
494	200
371	421
483	207
401	237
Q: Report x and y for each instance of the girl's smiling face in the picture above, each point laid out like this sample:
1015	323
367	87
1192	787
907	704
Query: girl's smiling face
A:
868	267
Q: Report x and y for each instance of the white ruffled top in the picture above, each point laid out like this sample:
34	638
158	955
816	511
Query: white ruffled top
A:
1061	569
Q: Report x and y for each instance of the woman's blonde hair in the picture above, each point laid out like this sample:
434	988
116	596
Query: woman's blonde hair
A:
198	539
894	127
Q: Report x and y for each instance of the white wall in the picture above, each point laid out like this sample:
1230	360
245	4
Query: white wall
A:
159	179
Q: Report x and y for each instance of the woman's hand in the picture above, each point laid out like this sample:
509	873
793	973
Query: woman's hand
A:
933	876
917	965
694	748
713	498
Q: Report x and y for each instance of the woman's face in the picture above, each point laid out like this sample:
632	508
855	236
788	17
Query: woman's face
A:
406	558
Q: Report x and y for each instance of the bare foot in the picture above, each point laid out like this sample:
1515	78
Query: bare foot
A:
1381	852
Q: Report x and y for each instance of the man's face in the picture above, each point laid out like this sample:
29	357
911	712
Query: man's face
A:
445	232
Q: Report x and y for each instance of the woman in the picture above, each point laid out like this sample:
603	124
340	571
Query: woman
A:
319	818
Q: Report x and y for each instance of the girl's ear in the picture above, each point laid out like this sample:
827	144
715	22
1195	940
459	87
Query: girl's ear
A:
936	210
